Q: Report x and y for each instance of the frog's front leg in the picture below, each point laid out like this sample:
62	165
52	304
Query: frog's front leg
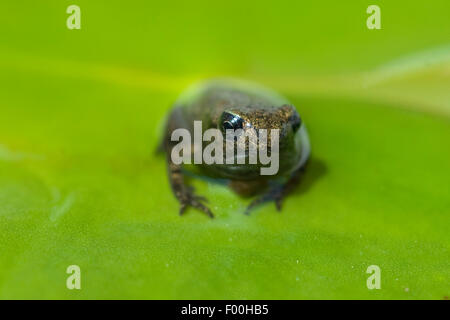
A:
183	192
279	192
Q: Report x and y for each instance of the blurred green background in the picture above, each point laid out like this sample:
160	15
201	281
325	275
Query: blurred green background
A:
80	116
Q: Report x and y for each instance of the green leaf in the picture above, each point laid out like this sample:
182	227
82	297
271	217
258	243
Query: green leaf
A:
81	114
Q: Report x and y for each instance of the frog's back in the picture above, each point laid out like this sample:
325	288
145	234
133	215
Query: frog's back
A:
207	100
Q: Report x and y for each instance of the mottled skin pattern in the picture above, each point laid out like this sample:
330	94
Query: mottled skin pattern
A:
215	101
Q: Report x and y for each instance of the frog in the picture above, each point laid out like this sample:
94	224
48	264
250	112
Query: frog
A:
237	104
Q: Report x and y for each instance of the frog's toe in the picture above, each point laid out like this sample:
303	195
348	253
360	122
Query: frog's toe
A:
200	198
278	203
195	202
183	207
203	208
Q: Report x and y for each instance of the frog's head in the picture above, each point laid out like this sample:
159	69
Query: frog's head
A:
251	120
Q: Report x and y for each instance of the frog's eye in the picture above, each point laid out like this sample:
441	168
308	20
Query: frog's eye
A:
227	125
231	121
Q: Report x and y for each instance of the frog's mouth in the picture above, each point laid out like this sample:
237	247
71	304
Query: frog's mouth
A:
237	171
243	158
